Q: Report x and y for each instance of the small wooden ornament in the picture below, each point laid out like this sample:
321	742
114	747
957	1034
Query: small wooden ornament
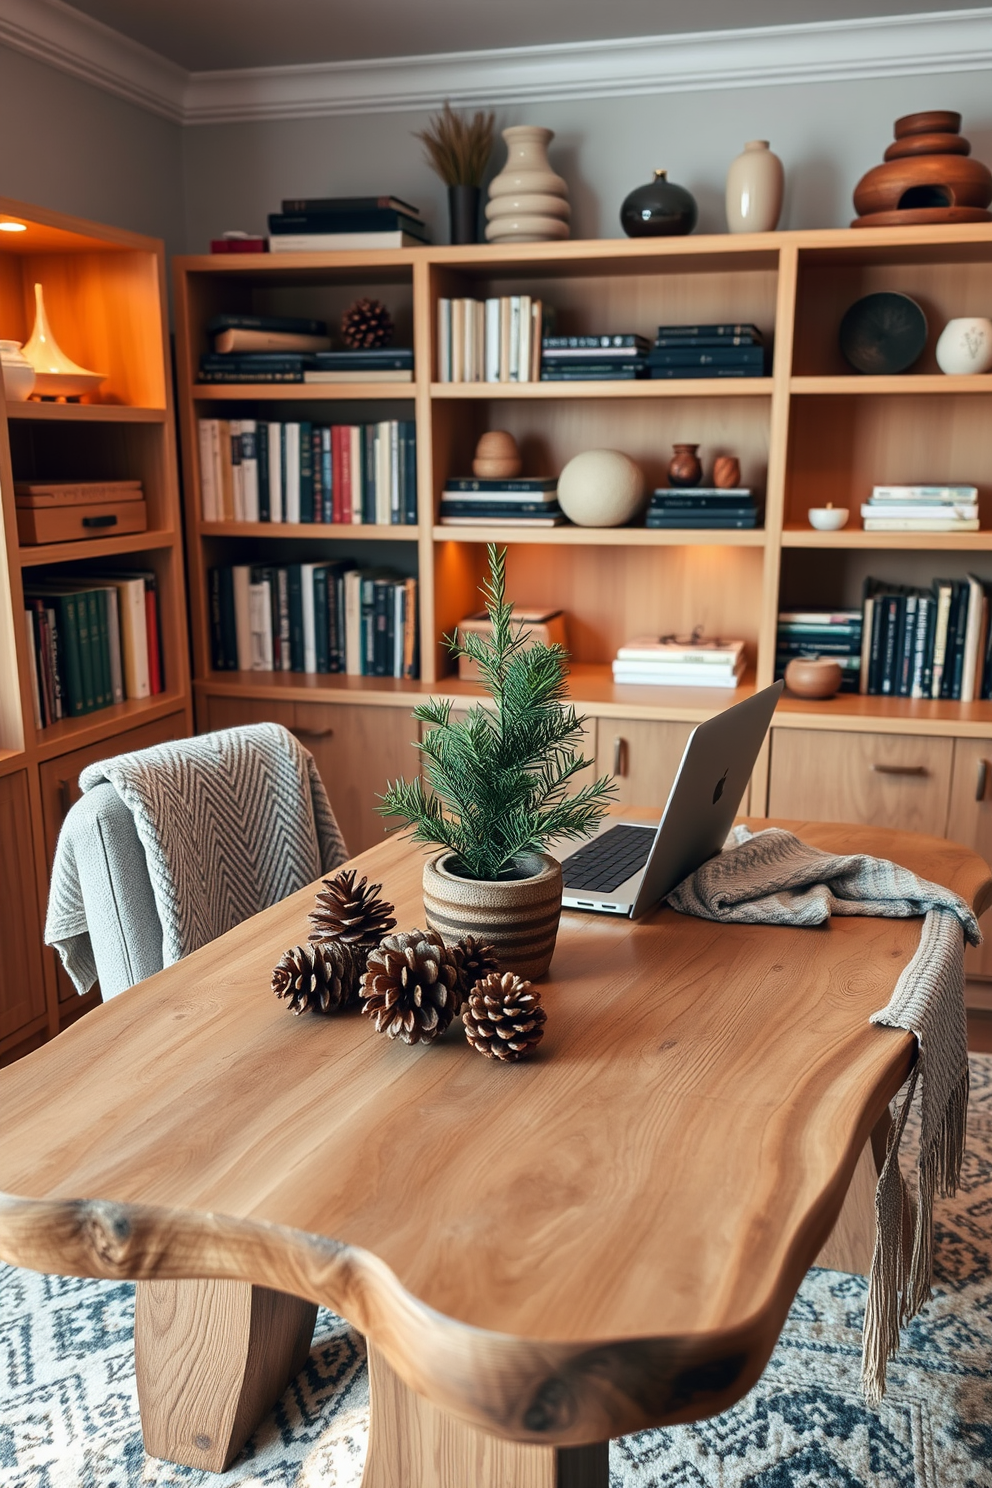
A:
497	456
813	677
726	472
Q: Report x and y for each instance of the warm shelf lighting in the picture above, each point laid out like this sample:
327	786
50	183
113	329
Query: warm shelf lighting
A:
13	227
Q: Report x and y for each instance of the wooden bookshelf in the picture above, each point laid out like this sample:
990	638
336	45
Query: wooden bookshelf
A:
105	292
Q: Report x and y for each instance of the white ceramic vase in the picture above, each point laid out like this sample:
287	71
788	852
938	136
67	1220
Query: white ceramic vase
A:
18	373
965	346
528	202
755	182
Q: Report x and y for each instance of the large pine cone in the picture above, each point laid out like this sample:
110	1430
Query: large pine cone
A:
476	959
503	1017
367	324
350	912
322	978
410	986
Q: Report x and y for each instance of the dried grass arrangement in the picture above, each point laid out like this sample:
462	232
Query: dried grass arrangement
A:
458	148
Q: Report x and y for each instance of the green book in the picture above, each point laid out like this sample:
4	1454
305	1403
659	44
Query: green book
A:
86	667
72	676
97	600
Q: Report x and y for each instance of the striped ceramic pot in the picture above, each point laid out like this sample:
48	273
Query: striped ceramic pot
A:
519	916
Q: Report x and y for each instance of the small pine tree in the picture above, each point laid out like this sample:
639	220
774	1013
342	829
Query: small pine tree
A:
497	779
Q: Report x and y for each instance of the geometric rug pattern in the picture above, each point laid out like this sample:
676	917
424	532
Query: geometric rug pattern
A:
69	1416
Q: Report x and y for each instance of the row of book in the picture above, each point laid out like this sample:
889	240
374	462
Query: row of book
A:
921	509
92	642
494	340
833	633
703	507
313	617
616	358
254	470
323	224
680	661
523	501
926	643
319	368
723	349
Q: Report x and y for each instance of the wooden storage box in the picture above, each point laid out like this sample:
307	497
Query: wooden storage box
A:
68	513
541	627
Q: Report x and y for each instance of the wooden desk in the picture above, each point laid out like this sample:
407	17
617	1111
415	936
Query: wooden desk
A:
542	1256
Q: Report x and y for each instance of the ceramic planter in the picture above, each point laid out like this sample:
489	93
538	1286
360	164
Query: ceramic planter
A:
519	916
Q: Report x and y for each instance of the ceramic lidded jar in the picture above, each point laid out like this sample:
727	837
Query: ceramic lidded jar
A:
661	209
965	346
755	183
515	209
18	373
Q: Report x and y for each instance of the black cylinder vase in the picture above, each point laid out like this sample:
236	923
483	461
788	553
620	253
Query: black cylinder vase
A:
463	213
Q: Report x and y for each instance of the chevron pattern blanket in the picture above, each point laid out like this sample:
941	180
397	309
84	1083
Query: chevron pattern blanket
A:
771	878
230	823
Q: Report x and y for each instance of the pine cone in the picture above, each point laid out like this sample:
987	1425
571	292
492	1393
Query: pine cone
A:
476	960
503	1017
410	986
367	324
320	977
350	912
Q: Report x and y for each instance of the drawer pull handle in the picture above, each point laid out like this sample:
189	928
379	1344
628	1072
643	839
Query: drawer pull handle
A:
983	779
900	769
619	755
308	733
110	520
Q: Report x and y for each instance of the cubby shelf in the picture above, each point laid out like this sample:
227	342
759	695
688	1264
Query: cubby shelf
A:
85	413
686	387
301	392
326	531
96	547
903	386
854	537
71	734
603	537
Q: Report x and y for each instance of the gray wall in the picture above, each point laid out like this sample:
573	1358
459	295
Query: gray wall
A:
73	148
827	134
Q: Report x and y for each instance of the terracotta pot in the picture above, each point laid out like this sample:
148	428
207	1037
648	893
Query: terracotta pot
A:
684	468
755	183
519	916
813	676
726	472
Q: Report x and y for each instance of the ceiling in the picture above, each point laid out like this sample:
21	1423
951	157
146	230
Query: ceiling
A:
204	35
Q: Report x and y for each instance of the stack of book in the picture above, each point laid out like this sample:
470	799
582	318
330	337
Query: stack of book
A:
673	661
594	358
92	641
721	350
261	348
703	507
313	617
255	470
926	643
494	340
530	501
921	509
325	223
833	633
379	364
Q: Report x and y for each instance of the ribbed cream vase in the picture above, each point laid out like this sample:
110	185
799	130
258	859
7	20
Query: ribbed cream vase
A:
526	176
518	916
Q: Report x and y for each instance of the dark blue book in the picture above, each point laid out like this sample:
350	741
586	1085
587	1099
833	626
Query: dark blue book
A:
703	500
262	448
373	358
716	356
348	204
224	632
259	374
321	617
379	219
519	483
382	605
722	371
498	509
408	471
369	473
297	655
326	473
288	323
701	521
246	361
719	328
317	466
750	338
306	472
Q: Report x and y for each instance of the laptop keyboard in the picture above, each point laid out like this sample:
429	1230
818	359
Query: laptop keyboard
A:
603	864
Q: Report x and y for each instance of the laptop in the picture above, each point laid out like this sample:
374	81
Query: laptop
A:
629	867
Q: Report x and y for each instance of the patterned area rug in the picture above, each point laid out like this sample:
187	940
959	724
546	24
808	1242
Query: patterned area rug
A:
69	1415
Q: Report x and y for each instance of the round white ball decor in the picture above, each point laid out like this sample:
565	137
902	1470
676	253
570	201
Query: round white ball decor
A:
601	488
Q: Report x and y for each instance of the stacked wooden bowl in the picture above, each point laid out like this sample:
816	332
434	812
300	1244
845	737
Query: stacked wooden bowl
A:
927	177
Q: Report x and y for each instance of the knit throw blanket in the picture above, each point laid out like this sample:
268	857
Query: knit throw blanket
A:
230	823
771	878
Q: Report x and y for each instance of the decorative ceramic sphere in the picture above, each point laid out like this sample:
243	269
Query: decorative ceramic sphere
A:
813	676
601	488
965	346
726	472
497	456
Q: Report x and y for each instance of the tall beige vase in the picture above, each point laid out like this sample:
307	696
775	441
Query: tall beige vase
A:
519	916
755	182
528	202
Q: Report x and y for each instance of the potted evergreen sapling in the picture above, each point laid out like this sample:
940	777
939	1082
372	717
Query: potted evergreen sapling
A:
497	792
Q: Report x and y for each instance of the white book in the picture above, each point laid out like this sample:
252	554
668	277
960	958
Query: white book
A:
504	338
383	473
395	515
241	575
355	437
973	630
922	524
444	340
650	648
458	340
480	341
627	674
309	626
329	242
249	469
399	616
468	344
514	360
925	493
260	602
206	430
237	485
523	355
134	636
114	644
679	669
291	473
218	458
33	668
276	463
492	340
921	511
353	622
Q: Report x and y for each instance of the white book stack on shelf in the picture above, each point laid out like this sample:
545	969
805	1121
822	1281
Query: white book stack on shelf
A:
671	661
493	340
921	509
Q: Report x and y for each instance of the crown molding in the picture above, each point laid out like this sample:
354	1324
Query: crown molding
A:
760	57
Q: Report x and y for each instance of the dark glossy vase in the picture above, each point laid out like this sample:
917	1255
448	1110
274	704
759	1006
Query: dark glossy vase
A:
684	468
463	213
659	210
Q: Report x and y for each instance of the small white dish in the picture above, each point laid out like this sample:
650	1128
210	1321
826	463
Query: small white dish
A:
828	518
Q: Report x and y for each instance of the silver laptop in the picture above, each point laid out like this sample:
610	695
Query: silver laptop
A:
629	867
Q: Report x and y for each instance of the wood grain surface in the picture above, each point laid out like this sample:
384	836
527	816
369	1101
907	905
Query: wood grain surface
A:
603	1238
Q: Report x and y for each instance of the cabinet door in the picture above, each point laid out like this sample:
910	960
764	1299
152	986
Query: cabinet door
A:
643	755
358	750
969	821
881	780
22	987
235	712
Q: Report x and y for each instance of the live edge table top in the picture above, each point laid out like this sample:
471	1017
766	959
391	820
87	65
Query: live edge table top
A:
604	1237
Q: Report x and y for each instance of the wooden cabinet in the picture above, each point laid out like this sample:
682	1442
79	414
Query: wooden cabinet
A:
969	821
22	984
882	780
643	755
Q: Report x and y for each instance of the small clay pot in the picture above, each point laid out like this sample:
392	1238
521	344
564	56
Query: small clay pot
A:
726	472
497	456
813	677
684	468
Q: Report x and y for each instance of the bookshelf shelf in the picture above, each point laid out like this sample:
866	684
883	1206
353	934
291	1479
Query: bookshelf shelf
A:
905	385
70	734
335	531
857	714
971	542
691	387
85	413
97	547
604	537
302	392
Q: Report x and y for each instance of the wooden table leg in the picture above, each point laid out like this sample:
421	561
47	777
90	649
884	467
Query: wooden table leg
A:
413	1444
211	1358
852	1240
